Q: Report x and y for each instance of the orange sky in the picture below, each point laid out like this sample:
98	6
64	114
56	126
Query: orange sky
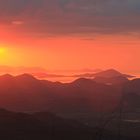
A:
73	53
69	35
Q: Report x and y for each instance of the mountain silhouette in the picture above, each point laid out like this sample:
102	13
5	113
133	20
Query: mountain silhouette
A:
118	80
133	86
82	99
26	93
132	94
110	76
110	73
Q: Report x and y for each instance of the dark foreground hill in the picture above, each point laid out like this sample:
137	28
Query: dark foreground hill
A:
41	126
47	126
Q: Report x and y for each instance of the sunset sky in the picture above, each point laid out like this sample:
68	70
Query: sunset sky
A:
70	34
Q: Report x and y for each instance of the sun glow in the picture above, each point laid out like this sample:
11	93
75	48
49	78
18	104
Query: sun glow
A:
2	50
3	55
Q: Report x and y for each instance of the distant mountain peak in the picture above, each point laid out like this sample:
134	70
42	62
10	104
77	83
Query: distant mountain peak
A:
6	75
110	73
83	81
26	76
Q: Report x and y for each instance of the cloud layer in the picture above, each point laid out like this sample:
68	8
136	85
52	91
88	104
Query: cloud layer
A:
71	17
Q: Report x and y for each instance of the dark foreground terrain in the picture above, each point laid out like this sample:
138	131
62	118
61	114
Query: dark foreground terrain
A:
47	126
